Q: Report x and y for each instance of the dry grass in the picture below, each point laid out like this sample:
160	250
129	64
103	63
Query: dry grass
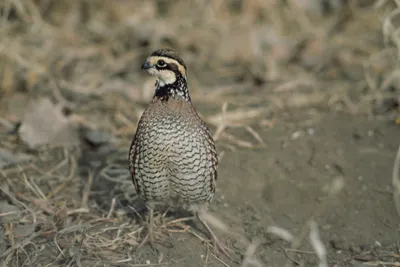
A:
244	62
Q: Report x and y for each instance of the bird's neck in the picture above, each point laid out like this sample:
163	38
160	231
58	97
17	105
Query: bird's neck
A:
176	90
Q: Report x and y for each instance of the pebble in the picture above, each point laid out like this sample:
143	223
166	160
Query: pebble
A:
97	138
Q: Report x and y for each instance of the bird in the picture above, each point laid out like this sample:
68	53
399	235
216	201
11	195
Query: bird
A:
173	158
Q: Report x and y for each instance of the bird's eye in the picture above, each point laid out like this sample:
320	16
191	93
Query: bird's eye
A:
161	63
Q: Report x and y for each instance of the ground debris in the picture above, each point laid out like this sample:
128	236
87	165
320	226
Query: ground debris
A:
55	129
21	231
8	212
8	158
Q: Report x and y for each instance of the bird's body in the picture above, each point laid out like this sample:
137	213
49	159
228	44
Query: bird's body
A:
172	158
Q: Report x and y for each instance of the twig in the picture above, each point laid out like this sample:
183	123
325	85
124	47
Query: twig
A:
300	251
237	141
80	210
113	201
14	200
255	135
31	187
57	167
177	221
317	244
145	265
249	259
381	263
281	233
37	188
8	213
219	131
136	212
285	251
86	192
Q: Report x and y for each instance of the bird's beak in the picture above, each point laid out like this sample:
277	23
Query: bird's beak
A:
147	65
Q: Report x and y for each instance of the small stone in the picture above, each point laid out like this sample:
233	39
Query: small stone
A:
338	243
97	138
297	135
311	131
121	213
377	243
45	124
355	249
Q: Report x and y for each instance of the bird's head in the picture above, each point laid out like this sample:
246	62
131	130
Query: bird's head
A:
166	65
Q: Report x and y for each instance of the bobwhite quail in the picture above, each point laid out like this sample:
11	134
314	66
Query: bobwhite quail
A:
172	157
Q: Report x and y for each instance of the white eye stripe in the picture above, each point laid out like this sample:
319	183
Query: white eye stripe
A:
154	61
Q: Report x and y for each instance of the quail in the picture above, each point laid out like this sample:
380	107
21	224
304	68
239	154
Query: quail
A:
172	158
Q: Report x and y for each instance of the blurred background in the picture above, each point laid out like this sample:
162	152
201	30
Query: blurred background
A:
301	95
295	53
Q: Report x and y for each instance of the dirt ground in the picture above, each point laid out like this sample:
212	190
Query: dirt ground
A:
302	98
286	185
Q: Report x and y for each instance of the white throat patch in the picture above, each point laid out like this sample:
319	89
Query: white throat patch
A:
163	76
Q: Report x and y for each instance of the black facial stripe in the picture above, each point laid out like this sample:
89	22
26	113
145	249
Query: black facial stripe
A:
173	67
180	61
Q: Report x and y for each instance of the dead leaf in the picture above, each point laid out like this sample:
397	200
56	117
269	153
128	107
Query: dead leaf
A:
45	124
